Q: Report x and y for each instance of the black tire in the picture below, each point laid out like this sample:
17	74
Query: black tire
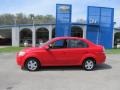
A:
32	64
88	64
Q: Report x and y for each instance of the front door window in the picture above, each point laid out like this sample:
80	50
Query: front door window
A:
59	44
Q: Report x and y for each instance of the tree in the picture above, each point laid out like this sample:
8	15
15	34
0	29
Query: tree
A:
6	19
20	18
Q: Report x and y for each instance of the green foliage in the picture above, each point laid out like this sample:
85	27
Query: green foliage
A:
20	18
6	19
10	49
113	51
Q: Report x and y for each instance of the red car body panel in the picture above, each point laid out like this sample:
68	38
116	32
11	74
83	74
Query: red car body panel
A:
63	56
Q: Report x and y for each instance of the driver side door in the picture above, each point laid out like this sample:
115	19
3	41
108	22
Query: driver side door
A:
56	53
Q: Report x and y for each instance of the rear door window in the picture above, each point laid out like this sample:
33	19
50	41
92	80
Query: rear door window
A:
77	44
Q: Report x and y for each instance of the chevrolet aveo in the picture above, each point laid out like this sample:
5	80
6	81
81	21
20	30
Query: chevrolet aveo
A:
62	51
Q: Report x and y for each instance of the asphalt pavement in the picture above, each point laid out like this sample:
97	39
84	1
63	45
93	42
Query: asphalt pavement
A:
105	77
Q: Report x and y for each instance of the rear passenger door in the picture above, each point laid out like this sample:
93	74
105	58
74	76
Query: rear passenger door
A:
75	50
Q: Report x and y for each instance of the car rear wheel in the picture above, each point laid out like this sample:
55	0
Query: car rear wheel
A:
32	64
88	65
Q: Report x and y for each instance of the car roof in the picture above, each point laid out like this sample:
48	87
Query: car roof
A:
66	37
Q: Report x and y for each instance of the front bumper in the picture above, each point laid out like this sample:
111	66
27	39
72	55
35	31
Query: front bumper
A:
19	60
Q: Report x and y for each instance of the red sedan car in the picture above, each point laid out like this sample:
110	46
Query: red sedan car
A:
62	51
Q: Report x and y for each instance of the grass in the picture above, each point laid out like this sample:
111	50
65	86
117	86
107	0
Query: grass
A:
16	49
113	51
10	49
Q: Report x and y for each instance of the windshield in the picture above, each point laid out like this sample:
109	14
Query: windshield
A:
45	43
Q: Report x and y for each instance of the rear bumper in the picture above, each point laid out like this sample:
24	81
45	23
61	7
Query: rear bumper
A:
101	57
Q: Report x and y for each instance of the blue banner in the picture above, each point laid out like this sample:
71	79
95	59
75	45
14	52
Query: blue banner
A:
100	22
63	20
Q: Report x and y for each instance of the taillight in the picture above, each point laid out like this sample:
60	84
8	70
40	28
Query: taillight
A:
103	49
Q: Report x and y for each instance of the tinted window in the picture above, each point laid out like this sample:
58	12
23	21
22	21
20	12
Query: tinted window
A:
59	44
77	44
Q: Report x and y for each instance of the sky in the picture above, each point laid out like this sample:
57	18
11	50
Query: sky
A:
43	7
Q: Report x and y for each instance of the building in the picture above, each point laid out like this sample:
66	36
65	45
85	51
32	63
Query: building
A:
17	35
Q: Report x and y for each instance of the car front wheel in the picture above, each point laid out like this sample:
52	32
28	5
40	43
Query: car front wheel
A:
88	65
32	64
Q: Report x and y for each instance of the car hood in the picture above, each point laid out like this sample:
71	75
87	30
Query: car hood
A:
32	49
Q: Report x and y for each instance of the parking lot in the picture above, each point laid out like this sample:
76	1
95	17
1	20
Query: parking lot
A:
105	77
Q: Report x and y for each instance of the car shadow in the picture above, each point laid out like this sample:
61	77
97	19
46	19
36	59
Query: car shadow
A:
103	67
75	68
61	68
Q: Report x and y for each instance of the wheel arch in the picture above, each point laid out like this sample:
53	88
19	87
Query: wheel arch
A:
92	58
30	58
89	56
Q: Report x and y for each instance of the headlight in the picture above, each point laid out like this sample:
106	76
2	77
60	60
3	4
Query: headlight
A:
21	53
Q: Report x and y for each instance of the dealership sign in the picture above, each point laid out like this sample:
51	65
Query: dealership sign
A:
64	9
63	20
100	22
